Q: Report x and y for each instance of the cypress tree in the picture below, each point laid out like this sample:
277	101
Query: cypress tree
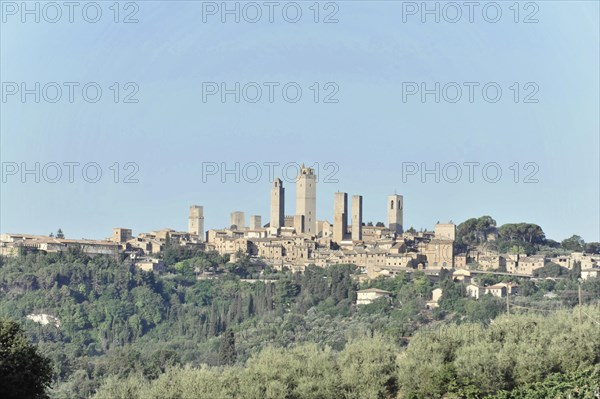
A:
227	355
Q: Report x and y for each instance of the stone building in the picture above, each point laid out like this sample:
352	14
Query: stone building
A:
590	273
527	265
475	291
445	231
121	235
365	297
439	253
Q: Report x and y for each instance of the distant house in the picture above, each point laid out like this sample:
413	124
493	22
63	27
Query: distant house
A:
511	288
530	263
150	264
475	291
460	261
512	263
365	297
436	294
590	273
462	275
497	290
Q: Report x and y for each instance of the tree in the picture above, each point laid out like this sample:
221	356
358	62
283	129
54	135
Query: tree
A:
24	373
576	271
592	247
380	224
574	244
368	369
551	269
60	234
475	230
227	355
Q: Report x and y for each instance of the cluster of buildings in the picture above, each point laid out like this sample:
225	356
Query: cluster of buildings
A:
298	240
500	290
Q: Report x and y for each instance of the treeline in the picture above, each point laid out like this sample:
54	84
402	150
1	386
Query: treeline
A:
118	321
516	238
517	356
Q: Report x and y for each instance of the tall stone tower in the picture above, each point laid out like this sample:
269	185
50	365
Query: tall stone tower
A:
340	216
255	222
306	199
357	204
395	213
277	204
196	221
238	219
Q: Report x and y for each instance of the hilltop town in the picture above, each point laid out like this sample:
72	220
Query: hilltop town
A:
292	242
218	300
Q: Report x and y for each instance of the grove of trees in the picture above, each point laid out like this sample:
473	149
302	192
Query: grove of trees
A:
517	356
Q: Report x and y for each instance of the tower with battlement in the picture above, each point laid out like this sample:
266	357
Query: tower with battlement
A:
196	221
238	219
306	199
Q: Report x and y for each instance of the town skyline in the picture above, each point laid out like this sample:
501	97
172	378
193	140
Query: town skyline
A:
373	210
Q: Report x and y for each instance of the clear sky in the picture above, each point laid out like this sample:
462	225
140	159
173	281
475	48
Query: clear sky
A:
371	134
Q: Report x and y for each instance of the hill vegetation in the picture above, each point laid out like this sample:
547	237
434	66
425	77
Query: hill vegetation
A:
517	356
112	329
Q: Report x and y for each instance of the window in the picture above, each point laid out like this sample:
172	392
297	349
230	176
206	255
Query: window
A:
391	204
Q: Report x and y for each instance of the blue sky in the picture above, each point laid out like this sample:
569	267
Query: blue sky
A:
369	133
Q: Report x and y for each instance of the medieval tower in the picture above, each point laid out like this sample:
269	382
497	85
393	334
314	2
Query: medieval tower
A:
306	199
196	221
238	219
255	222
395	213
357	205
340	216
277	204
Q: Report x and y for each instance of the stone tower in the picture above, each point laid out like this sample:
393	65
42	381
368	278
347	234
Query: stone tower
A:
196	221
357	204
340	216
395	208
306	199
255	222
238	219
277	204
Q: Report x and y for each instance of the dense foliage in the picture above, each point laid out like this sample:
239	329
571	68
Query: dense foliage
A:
516	238
209	318
24	373
524	356
116	320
